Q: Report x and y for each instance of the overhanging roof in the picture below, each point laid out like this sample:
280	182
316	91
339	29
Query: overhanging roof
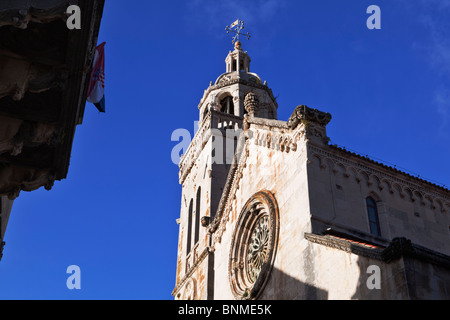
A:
44	76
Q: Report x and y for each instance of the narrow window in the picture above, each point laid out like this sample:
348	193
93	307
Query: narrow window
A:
373	217
189	229
197	216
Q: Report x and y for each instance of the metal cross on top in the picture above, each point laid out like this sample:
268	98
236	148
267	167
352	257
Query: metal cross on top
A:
236	27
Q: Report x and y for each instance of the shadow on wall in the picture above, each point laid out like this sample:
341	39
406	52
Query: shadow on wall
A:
374	282
282	286
405	272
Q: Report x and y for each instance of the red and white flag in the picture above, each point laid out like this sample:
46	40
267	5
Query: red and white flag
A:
96	91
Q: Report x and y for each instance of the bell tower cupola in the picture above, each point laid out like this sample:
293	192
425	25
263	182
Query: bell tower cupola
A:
226	96
238	60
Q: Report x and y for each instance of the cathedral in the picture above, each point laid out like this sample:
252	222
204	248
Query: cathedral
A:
271	210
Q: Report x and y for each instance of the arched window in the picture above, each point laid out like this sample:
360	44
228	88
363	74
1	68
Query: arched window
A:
189	229
197	216
227	105
372	213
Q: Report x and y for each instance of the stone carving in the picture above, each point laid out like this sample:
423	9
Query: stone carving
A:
21	14
214	106
380	180
258	248
205	221
190	291
15	178
190	271
20	77
397	248
199	141
277	141
224	79
252	84
253	252
303	113
251	103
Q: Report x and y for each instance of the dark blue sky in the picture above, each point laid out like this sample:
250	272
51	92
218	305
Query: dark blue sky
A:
114	216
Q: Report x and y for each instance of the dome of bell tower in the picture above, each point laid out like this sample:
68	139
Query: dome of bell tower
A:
228	92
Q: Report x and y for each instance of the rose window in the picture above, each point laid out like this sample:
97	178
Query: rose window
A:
258	248
254	246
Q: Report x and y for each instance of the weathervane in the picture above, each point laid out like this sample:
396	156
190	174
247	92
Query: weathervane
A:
236	27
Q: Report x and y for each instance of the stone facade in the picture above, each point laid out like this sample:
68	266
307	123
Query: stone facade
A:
289	216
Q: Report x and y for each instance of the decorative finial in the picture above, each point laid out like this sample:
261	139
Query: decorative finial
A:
236	27
251	103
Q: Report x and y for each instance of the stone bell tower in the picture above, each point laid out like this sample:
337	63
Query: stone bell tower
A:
236	94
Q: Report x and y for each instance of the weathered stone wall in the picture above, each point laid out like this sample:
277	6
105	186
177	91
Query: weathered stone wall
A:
338	188
427	281
316	187
199	177
333	274
343	276
305	187
266	168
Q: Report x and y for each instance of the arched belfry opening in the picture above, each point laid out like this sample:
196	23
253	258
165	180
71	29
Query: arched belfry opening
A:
227	105
243	65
